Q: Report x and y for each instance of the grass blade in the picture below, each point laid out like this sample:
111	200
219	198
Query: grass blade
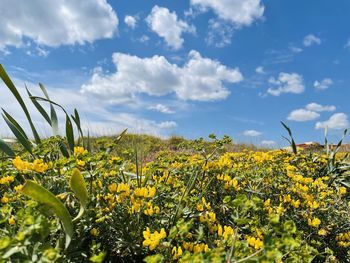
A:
76	119
78	185
293	145
44	196
69	133
54	119
39	108
6	148
13	89
19	135
14	122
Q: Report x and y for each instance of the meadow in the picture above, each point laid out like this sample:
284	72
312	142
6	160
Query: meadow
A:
134	198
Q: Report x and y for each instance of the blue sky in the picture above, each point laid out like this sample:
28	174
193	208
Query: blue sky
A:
188	68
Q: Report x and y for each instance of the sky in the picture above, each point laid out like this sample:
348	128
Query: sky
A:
187	68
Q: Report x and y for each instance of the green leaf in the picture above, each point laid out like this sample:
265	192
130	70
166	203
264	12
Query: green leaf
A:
15	123
39	107
293	145
6	148
19	135
43	196
76	119
54	119
78	185
63	149
69	133
13	89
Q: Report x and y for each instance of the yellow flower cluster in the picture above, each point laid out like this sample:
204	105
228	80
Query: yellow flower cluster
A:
195	248
314	222
80	151
38	165
227	232
7	179
229	182
176	252
201	205
255	242
146	192
151	209
152	240
343	239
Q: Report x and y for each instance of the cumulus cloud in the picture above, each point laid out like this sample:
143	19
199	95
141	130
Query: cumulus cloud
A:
219	33
97	117
260	70
200	78
161	108
130	21
303	115
240	13
54	23
251	133
310	40
319	108
323	84
286	83
337	121
167	25
268	143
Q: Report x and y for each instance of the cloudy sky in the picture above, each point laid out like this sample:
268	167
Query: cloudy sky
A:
188	68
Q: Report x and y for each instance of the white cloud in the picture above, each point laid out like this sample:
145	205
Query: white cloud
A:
347	45
323	84
130	21
319	108
144	38
268	142
296	50
167	125
54	23
96	116
238	12
310	40
161	108
337	121
251	133
286	83
303	115
219	33
199	79
260	70
167	25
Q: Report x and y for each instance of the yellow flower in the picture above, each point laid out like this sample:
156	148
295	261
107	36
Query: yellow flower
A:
112	188
12	221
7	179
80	150
219	230
322	232
228	232
152	240
296	203
94	232
315	222
4	200
255	242
342	190
80	162
177	252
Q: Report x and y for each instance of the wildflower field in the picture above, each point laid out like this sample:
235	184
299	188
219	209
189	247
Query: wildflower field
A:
77	199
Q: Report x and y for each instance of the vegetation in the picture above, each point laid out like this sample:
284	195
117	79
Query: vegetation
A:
78	199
